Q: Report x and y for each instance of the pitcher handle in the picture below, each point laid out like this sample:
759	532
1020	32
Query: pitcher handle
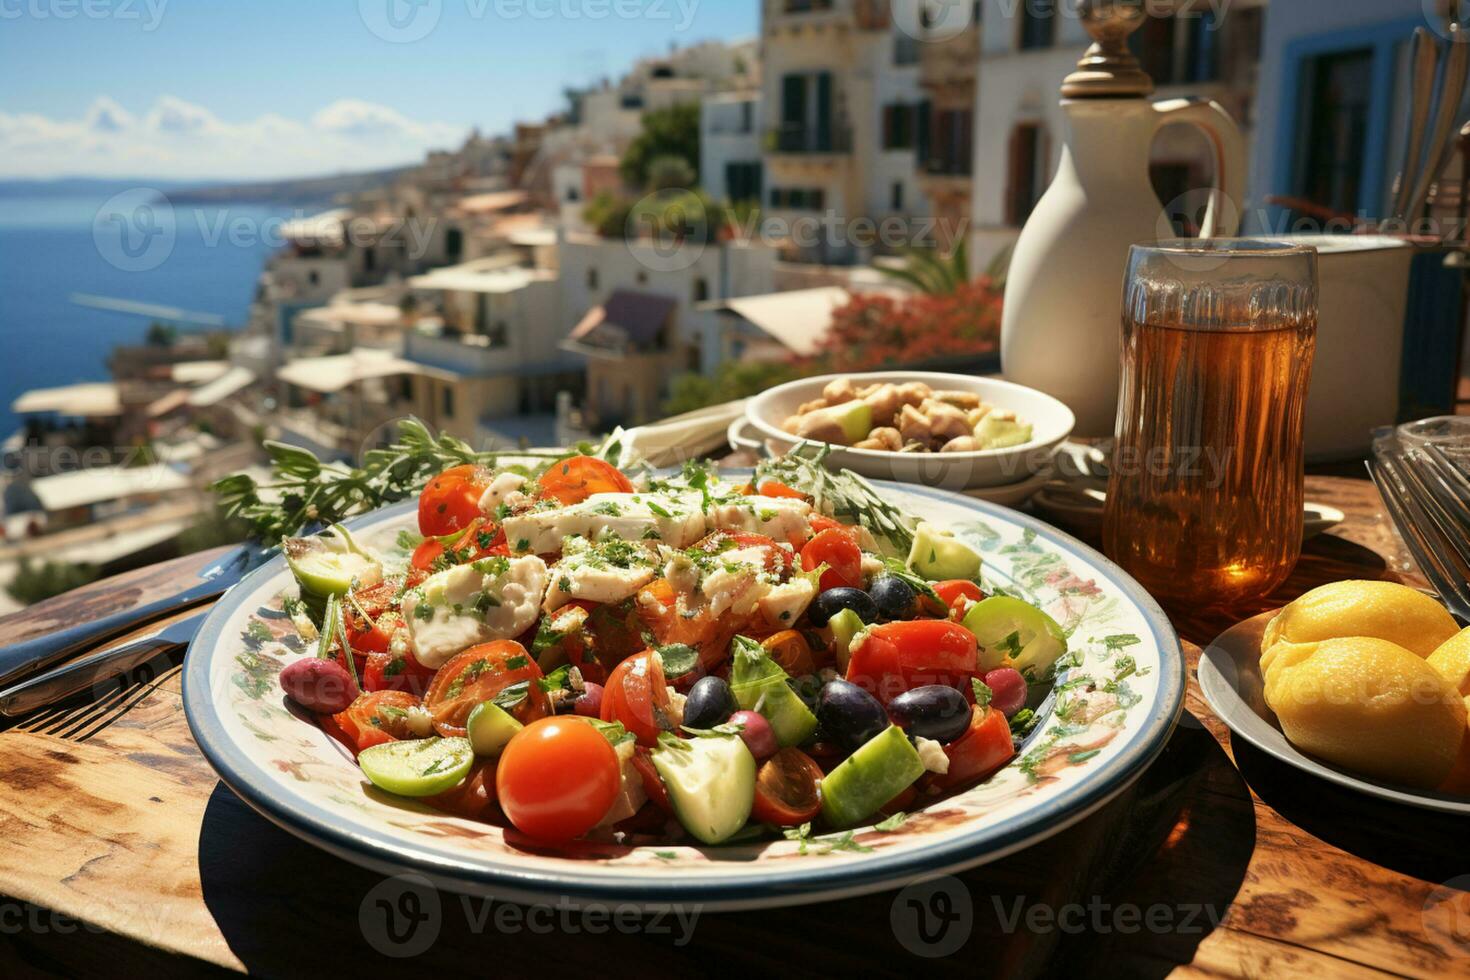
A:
1227	196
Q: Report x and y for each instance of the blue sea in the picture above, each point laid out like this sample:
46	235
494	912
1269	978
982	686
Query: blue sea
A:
203	259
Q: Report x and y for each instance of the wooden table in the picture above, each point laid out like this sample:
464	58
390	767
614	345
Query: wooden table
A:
121	852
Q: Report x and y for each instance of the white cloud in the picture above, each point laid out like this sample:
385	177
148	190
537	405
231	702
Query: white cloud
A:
180	139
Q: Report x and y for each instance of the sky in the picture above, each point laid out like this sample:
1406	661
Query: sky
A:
246	89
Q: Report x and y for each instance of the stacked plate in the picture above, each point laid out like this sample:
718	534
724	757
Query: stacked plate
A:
1006	476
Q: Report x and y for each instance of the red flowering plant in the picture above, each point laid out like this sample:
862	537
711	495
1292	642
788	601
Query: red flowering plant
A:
878	330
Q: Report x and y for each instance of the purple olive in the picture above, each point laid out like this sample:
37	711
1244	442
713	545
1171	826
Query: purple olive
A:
849	715
759	737
589	702
319	685
934	711
1007	690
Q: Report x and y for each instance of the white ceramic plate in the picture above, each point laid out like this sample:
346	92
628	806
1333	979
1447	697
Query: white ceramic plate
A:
1051	422
1230	679
1123	697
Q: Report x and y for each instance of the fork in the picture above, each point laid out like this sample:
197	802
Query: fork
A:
1426	494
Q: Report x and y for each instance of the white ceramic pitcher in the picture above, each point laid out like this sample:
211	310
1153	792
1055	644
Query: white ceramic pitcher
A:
1060	326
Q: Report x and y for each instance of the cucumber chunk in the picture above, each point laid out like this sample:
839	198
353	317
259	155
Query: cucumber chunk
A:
994	432
844	624
711	783
759	684
1008	627
417	767
489	727
937	554
884	766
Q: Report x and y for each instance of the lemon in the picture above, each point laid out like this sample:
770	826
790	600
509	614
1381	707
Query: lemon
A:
1368	705
1385	610
1452	659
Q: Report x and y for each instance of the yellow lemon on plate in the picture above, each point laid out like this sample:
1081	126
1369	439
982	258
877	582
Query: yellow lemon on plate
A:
1452	659
1385	610
1368	705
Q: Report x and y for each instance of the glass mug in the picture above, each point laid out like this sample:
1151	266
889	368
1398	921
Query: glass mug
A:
1204	499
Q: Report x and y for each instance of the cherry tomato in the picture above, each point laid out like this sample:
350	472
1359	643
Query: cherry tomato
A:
615	632
786	789
479	539
895	657
371	616
980	751
653	784
557	778
790	650
376	717
386	671
473	799
574	479
957	594
452	499
479	674
842	555
638	696
773	488
564	638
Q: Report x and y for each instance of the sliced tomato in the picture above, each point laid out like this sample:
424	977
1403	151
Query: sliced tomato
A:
984	747
574	479
653	784
451	500
775	488
370	633
562	637
479	674
895	657
386	671
616	631
479	539
376	717
473	799
957	594
786	789
660	614
775	558
843	557
637	695
790	650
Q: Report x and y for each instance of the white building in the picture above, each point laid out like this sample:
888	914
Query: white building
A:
730	132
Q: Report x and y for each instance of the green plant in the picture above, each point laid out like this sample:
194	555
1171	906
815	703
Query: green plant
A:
666	173
733	379
161	334
670	132
931	272
34	582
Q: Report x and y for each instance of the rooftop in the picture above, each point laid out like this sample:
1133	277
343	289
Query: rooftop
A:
80	488
481	276
90	400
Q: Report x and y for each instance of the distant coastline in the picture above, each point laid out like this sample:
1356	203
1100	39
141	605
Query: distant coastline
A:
302	192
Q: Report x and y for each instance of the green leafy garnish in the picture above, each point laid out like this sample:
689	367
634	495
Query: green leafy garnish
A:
678	659
983	693
843	495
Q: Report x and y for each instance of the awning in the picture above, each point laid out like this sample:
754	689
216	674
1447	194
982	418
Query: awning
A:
489	203
337	371
367	314
480	277
222	387
102	483
197	372
91	400
322	229
177	398
797	319
629	318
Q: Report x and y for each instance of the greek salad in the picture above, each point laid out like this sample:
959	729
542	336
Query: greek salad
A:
575	653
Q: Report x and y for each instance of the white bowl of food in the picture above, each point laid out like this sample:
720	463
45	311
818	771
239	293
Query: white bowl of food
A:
941	430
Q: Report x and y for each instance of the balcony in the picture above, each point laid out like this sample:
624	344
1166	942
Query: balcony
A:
947	167
799	139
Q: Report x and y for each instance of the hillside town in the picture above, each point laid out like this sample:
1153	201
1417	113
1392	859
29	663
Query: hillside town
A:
704	224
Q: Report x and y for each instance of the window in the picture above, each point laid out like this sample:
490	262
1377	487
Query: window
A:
1024	185
797	198
700	292
572	193
905	49
951	143
898	126
1038	26
499	334
314	277
747	116
642	277
1332	145
405	387
895	196
743	181
454	243
446	401
806	113
592	278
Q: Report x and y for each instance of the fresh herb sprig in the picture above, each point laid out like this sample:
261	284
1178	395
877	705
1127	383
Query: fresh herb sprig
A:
843	495
305	492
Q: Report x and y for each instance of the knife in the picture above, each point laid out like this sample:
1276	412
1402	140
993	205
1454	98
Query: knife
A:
97	668
28	656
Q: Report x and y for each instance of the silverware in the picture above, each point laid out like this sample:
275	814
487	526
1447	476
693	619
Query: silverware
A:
98	668
1425	59
28	656
1426	494
1446	114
